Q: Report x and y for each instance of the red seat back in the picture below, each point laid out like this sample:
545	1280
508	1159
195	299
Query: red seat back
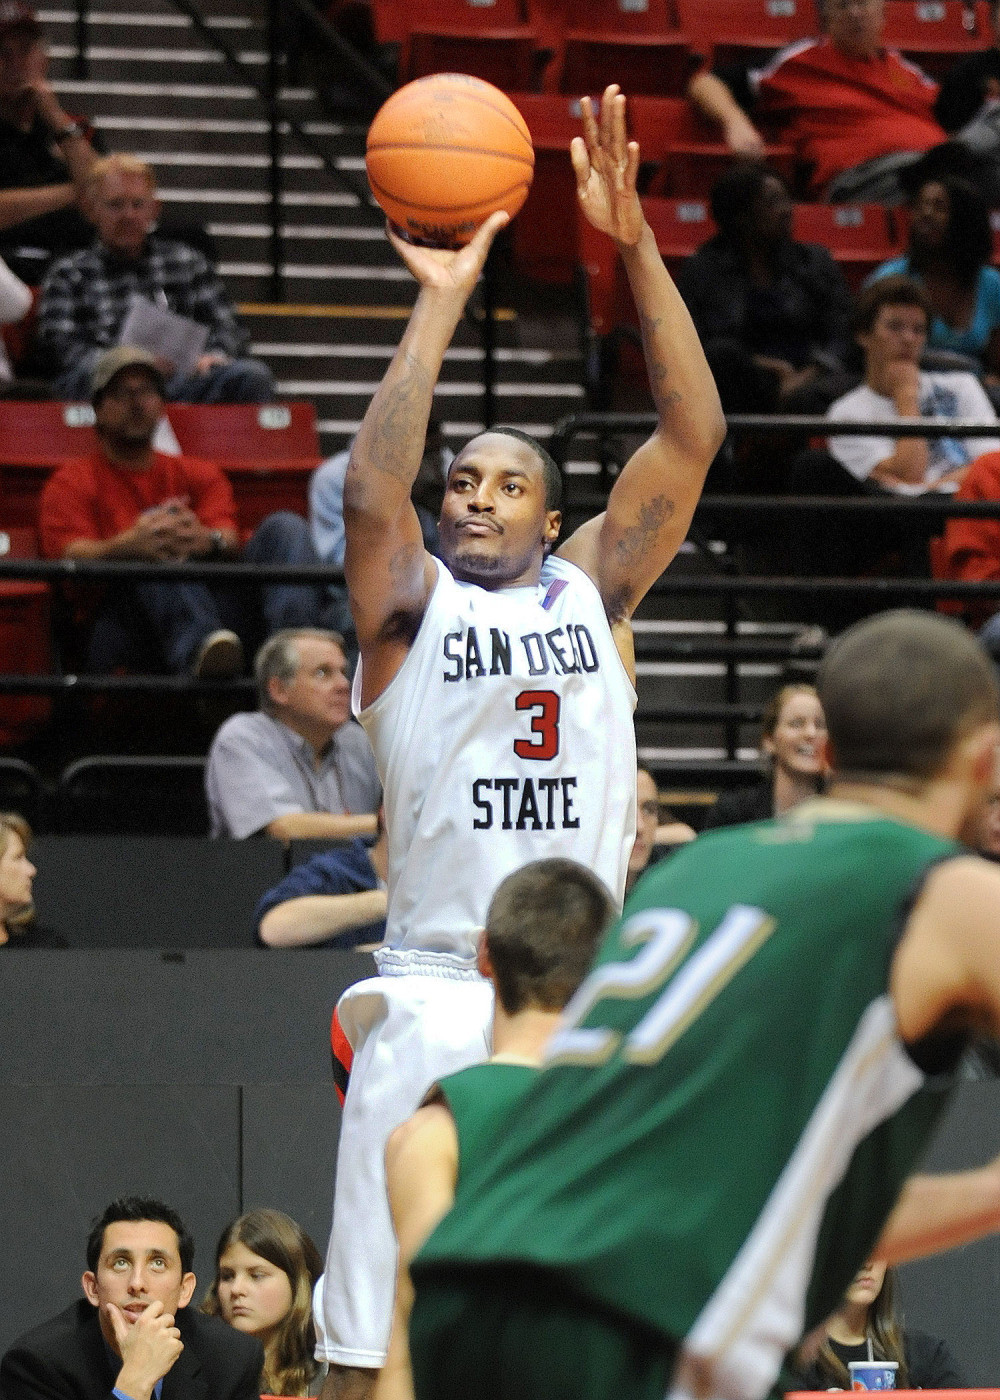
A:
724	28
859	236
268	451
936	32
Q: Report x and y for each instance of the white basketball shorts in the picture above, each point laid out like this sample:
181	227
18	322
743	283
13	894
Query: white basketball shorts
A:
422	1018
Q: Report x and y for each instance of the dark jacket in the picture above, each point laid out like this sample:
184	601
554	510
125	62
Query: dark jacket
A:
746	804
963	88
808	304
66	1359
928	1360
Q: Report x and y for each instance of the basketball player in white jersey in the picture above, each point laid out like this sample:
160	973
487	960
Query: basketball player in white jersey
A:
497	691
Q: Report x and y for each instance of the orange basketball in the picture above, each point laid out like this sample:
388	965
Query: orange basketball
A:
443	153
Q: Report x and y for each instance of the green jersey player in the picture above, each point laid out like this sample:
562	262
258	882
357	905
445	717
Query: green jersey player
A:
745	1080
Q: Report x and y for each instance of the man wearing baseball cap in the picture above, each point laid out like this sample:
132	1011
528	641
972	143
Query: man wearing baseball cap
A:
44	153
128	501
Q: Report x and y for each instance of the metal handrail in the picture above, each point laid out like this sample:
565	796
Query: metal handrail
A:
811	425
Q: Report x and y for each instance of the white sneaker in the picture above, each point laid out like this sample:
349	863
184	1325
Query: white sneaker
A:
219	658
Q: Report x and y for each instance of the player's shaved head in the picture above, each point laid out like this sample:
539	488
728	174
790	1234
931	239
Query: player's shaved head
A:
543	927
900	690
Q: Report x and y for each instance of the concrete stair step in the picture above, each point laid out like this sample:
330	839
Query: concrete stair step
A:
204	94
212	135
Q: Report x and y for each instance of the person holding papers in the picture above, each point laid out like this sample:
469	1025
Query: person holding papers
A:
134	287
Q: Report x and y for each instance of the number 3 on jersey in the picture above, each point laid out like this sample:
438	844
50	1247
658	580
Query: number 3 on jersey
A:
544	724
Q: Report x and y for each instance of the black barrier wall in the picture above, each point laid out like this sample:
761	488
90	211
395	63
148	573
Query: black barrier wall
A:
203	1077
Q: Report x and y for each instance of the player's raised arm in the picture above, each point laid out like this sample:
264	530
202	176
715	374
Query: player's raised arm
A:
389	575
650	506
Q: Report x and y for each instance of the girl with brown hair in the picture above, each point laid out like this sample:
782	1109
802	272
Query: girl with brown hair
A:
265	1269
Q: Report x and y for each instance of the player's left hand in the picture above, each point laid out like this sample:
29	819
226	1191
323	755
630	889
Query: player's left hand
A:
606	164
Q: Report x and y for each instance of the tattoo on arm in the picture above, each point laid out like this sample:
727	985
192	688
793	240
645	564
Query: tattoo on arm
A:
636	539
658	372
393	429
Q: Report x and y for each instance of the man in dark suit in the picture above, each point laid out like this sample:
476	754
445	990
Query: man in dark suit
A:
132	1336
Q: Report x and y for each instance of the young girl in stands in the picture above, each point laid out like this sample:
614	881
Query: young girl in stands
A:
265	1269
866	1327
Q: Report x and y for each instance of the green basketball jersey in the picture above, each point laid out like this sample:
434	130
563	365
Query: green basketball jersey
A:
725	1119
479	1098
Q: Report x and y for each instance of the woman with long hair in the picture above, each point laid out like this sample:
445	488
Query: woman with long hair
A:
265	1269
18	928
949	252
867	1327
792	738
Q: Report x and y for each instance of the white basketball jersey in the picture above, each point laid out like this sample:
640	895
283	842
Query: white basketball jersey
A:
506	736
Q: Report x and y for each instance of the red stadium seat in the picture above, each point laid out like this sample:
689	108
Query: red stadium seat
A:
546	246
35	438
25	639
680	227
632	42
268	451
687	148
859	236
726	30
490	40
936	32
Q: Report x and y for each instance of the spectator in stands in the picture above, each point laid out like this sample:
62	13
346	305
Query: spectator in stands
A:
298	766
968	105
44	154
793	737
772	313
265	1269
969	550
649	831
866	1327
86	296
18	928
133	1326
857	113
971	82
891	323
336	899
949	253
128	501
326	512
15	303
326	496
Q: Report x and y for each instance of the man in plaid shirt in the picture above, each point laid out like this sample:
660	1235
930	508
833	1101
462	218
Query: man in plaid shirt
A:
86	296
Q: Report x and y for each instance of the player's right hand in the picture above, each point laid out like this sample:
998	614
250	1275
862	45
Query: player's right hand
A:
450	269
148	1347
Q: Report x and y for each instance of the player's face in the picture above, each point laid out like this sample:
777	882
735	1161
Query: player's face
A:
647	819
866	1284
254	1295
799	736
140	1264
319	694
494	524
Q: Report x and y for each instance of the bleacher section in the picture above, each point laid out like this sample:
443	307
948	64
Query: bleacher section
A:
156	86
